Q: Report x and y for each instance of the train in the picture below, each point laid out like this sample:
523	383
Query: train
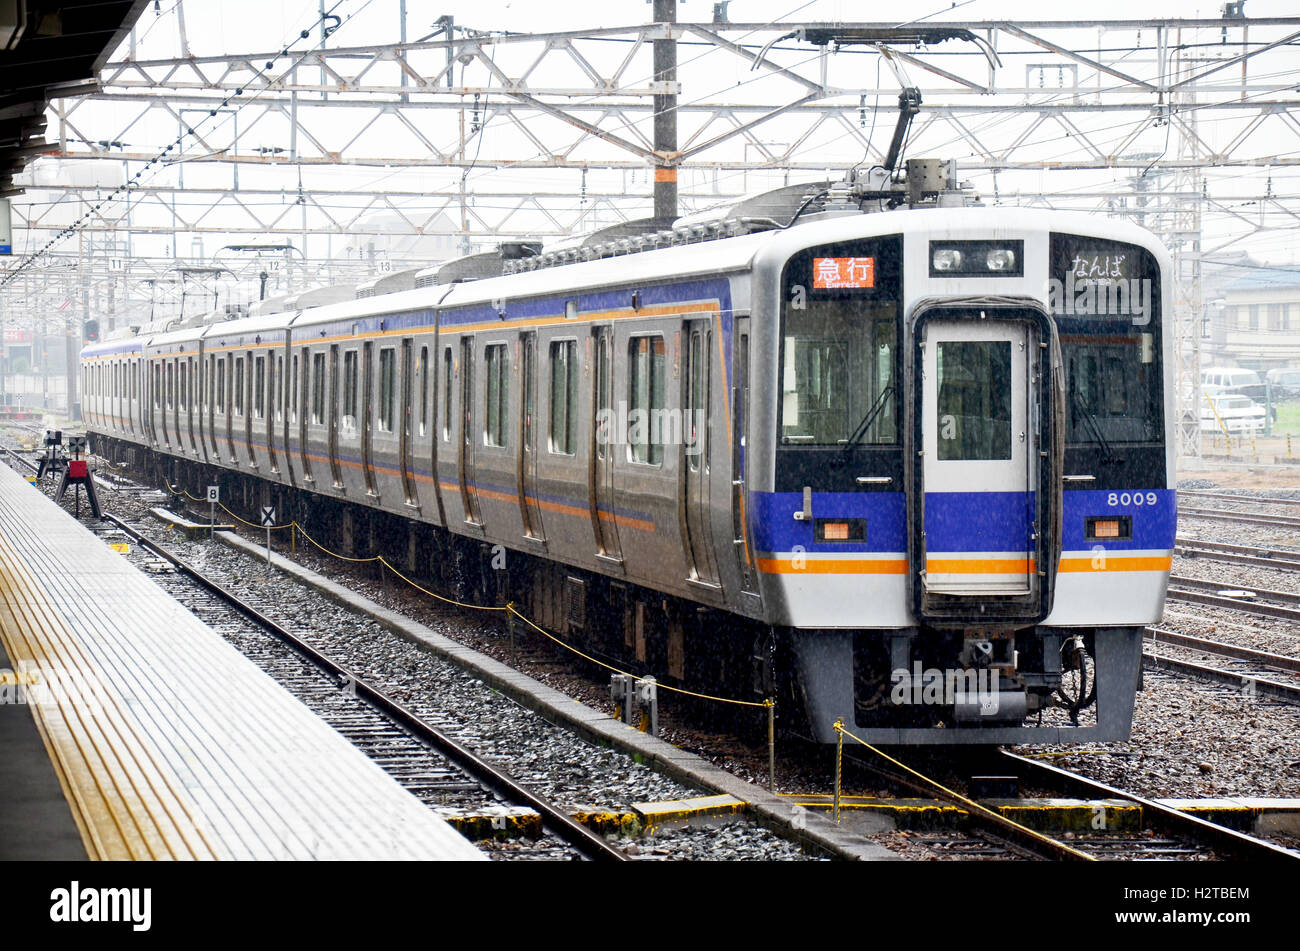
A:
892	457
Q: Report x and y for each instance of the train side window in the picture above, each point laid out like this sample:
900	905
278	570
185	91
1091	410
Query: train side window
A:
135	382
171	385
349	421
565	376
645	391
695	425
259	388
184	386
277	372
387	388
221	386
239	386
293	392
498	385
446	394
318	388
424	390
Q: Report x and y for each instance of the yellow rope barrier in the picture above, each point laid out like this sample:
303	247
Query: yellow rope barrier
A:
601	663
432	594
509	609
969	803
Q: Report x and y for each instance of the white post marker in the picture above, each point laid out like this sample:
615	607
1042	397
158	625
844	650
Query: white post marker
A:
214	496
268	519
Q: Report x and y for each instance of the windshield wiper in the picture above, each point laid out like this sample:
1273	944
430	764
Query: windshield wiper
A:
861	429
1107	454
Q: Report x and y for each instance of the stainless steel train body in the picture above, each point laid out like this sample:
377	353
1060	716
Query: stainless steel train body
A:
919	441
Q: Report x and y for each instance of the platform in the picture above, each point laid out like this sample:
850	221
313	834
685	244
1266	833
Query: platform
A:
167	743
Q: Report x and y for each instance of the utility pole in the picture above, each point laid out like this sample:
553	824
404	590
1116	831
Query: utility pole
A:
665	101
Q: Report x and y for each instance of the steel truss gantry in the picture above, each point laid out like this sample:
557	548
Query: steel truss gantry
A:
479	134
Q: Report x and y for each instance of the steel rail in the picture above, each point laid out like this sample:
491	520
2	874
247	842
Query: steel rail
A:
1226	841
564	826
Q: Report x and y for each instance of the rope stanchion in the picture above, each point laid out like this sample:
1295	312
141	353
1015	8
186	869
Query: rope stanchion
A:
955	796
512	613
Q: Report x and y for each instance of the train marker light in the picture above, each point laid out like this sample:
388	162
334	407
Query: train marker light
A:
1109	527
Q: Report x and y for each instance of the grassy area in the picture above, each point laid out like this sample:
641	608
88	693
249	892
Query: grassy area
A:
1288	419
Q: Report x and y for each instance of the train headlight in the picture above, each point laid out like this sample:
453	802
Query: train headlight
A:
977	258
946	259
1000	259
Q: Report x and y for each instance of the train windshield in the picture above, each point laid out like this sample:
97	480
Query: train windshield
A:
839	346
1105	297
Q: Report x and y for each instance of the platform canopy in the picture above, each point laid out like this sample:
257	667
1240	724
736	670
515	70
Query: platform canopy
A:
47	49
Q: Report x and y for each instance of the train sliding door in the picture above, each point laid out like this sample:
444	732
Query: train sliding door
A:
979	467
526	462
409	490
601	470
697	337
468	491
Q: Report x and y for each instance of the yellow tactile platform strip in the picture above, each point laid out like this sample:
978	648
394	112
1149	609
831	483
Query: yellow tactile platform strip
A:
168	742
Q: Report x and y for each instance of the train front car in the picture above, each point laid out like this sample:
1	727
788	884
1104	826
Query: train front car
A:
965	518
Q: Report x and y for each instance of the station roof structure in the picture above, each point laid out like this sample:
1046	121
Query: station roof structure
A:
47	49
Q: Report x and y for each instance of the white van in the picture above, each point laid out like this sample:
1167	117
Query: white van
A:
1235	412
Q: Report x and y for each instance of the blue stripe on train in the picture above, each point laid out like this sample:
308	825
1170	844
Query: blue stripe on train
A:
773	528
978	521
1154	523
949	525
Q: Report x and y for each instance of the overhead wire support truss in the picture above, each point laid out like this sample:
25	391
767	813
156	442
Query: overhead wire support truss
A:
485	135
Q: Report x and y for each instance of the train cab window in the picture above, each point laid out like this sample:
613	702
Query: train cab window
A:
645	400
565	375
838	373
349	421
498	385
974	386
318	388
839	345
259	387
1111	391
1105	298
387	388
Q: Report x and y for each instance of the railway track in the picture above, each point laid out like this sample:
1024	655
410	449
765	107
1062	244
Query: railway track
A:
1226	515
433	766
1258	672
1176	834
1166	833
1285	559
1259	601
1231	497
